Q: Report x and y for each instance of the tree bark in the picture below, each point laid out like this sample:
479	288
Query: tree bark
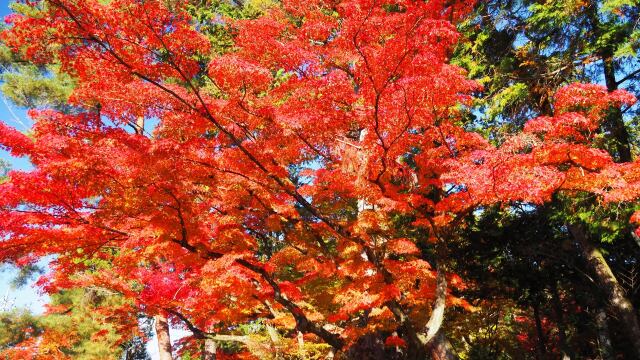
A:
610	286
139	126
210	349
441	348
162	334
437	314
604	339
434	338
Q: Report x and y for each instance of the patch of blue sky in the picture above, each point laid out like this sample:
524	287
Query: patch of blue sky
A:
27	296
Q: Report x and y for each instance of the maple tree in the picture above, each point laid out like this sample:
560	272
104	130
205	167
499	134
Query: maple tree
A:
311	176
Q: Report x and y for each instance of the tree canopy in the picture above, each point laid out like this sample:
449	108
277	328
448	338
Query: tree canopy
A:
307	178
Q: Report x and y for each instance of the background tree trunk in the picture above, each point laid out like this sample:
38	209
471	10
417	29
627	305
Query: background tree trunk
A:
567	354
162	334
604	339
210	349
610	286
541	348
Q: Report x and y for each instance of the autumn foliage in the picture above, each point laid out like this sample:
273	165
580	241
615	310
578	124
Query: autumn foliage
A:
307	177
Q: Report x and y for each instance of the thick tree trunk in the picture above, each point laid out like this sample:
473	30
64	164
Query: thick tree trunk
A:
434	338
604	339
437	314
610	286
441	348
162	334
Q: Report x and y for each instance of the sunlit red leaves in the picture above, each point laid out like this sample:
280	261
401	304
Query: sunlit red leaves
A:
27	350
395	341
592	99
402	247
236	75
364	295
489	177
290	291
162	286
572	126
14	141
553	154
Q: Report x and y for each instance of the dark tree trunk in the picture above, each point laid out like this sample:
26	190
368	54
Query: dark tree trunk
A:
610	286
604	339
541	348
562	329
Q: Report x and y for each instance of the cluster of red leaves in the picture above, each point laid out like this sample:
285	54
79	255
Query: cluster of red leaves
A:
553	153
204	218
